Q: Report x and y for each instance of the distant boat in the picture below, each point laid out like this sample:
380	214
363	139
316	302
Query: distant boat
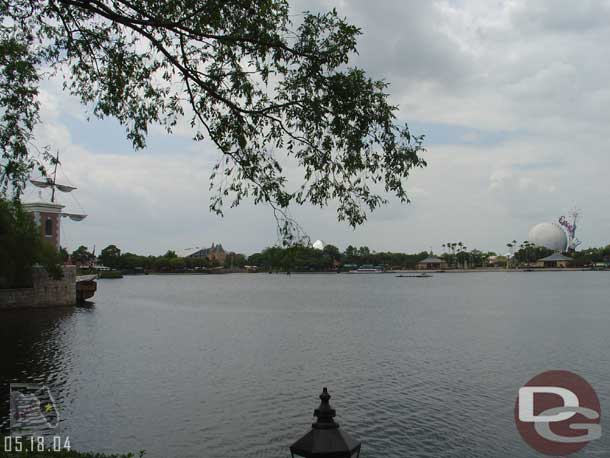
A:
414	276
366	270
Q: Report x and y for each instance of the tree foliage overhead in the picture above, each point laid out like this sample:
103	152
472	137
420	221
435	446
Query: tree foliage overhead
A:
266	92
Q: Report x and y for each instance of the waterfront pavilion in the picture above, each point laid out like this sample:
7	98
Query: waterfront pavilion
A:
431	263
555	260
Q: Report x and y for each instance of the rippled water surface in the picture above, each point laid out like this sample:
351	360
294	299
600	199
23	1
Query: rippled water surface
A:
231	365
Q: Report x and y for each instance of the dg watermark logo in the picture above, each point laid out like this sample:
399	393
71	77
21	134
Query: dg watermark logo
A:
558	413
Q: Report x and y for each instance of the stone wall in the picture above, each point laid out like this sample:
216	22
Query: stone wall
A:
44	293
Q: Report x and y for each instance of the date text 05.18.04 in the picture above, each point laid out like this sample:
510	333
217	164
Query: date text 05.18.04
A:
36	443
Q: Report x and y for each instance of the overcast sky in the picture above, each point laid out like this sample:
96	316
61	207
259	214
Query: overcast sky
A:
513	97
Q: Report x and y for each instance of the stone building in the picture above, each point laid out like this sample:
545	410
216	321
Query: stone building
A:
213	253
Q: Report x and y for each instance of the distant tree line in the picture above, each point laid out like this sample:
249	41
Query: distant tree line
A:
529	253
526	253
293	258
114	258
306	258
457	256
592	256
296	258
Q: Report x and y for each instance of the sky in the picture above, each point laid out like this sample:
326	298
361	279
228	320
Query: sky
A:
512	97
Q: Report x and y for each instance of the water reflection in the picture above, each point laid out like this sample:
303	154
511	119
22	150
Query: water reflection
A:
36	348
227	366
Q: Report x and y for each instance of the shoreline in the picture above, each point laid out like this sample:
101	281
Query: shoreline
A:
387	272
504	270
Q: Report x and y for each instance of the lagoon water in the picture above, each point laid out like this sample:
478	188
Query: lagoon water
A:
231	365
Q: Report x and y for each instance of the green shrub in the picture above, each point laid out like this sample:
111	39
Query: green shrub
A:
67	454
21	246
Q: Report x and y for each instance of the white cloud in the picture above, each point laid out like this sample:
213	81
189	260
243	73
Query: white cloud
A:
536	71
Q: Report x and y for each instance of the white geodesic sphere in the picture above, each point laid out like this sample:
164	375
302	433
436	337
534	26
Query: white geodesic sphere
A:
549	235
318	245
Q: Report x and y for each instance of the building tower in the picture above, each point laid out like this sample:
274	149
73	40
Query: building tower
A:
47	215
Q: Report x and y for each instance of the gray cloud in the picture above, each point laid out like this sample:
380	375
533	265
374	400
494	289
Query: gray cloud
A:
561	16
402	40
532	75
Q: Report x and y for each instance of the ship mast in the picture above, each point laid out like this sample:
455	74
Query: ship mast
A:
52	183
54	178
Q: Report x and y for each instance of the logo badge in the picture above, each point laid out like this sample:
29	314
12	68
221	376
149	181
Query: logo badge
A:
33	411
558	413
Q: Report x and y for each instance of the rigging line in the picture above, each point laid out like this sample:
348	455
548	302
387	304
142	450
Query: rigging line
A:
40	177
66	236
66	177
72	194
31	193
77	203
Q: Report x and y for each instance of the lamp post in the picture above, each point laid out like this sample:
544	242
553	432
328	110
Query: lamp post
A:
325	440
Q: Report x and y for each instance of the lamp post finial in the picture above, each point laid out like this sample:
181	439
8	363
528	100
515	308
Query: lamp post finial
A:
325	413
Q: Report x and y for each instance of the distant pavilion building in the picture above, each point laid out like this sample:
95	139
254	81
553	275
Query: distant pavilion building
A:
553	261
431	263
213	253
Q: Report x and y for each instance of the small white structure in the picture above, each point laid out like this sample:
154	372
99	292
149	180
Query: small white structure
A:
319	245
549	235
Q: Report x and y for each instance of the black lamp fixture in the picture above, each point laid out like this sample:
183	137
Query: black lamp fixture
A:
326	440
